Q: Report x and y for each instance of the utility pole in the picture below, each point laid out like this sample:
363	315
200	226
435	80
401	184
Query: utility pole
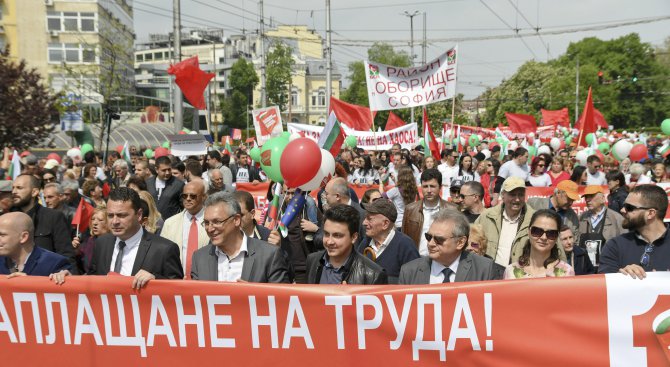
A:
178	99
329	65
411	46
262	38
577	93
425	41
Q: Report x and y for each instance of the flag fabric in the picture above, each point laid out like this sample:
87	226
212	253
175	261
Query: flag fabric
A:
226	142
15	166
82	216
236	133
125	152
429	139
191	80
356	117
587	122
600	119
459	146
556	117
520	123
332	137
251	141
664	150
505	142
293	209
273	210
393	122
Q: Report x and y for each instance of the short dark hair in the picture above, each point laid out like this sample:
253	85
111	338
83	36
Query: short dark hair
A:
165	160
520	151
346	214
616	176
476	187
244	197
89	157
34	182
431	174
114	154
140	183
179	166
214	154
194	167
446	152
126	194
653	196
145	208
593	158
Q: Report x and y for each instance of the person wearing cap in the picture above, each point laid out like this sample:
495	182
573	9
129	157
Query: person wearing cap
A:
386	246
455	193
598	224
5	196
506	225
565	193
447	260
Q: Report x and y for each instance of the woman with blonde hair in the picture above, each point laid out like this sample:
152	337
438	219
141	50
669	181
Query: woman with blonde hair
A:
84	244
477	240
151	219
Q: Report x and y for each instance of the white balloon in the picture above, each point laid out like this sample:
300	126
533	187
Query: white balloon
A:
544	149
555	143
582	156
531	135
621	149
512	145
611	139
486	153
325	173
193	132
74	152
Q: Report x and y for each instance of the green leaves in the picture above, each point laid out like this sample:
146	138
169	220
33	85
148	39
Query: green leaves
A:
279	66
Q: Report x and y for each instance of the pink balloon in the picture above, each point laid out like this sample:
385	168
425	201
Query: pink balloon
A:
54	156
160	152
638	153
300	162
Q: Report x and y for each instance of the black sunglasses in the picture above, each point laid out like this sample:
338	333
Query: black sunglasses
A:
438	240
646	256
189	196
632	208
537	232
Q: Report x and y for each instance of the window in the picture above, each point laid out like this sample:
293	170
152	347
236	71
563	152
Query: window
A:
71	53
220	60
222	85
88	55
71	21
158	56
139	58
148	57
87	22
294	97
322	98
53	21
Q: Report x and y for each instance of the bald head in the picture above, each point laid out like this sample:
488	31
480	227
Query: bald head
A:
16	234
193	196
196	184
337	191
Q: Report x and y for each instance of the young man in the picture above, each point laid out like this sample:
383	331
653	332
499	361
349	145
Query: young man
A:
165	189
472	194
594	173
516	167
340	263
243	171
577	257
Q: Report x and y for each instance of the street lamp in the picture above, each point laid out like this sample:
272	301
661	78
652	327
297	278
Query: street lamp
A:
411	45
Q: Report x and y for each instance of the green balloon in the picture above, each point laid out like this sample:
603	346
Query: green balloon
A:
270	157
85	148
149	153
566	133
473	140
589	138
166	145
255	154
604	147
568	140
351	141
665	126
285	134
532	151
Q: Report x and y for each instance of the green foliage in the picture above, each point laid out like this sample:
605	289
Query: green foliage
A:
278	70
243	79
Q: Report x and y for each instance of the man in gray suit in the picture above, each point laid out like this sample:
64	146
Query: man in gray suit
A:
447	260
231	255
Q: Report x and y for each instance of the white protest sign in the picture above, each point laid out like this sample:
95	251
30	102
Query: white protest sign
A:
267	122
72	121
407	136
187	144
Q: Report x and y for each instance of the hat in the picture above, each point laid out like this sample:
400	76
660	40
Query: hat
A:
512	183
456	184
51	163
29	160
384	207
5	186
592	190
570	187
419	148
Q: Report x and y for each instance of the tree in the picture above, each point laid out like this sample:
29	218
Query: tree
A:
243	79
26	106
279	66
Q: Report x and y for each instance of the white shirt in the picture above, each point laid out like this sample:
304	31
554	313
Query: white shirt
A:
230	269
395	196
511	169
506	239
186	230
242	174
449	173
129	253
643	179
160	185
597	179
436	274
383	245
543	180
427	221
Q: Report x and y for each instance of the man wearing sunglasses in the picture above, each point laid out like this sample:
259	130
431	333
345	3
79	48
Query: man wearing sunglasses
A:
594	173
647	246
598	224
447	260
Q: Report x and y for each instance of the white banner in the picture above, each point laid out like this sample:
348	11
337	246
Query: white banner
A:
187	144
72	121
392	87
267	122
407	136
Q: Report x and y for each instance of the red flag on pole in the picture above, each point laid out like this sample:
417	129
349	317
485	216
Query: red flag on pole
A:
429	137
393	122
598	118
587	121
556	117
520	123
82	217
191	80
356	117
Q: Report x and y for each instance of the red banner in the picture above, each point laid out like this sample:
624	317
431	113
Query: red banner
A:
101	321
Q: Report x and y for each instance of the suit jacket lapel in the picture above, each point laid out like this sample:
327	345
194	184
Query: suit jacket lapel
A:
423	273
212	265
464	265
32	260
248	265
142	250
107	253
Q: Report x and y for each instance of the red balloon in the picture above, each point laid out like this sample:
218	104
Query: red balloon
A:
562	144
54	156
119	148
160	152
25	153
638	153
300	162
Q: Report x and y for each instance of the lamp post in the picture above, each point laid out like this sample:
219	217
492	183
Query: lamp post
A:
411	46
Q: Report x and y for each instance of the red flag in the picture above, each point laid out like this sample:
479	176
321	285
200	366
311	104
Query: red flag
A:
393	122
556	118
429	137
520	123
106	189
587	121
82	217
356	117
191	80
600	119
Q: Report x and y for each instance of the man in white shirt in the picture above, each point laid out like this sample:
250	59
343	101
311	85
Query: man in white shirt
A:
516	167
594	174
448	168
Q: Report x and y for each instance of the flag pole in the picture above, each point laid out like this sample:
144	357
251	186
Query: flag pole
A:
453	108
374	132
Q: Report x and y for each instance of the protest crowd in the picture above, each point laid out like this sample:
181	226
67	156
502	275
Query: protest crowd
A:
401	216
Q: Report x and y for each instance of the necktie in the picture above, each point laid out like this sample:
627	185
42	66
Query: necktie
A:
192	245
447	272
119	257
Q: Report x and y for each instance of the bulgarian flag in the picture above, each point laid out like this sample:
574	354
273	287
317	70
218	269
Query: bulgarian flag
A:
15	166
459	146
332	136
273	210
227	149
664	150
429	138
125	152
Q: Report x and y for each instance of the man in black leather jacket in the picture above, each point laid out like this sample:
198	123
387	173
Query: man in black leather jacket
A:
339	263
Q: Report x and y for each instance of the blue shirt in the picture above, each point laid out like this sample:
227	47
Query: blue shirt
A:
331	274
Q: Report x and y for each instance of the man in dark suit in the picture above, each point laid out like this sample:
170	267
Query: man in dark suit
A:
18	254
165	189
231	255
447	260
130	250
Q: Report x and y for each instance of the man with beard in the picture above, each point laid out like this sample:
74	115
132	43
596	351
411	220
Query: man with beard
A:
646	247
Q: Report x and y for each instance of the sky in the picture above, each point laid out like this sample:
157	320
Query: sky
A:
483	62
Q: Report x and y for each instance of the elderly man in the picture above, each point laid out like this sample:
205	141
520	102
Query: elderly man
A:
185	228
340	263
389	248
231	255
214	162
447	262
561	200
598	224
576	256
472	194
647	246
18	254
53	196
121	173
215	180
419	215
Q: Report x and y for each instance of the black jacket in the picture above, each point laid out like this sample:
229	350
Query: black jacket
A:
358	269
169	203
582	263
616	199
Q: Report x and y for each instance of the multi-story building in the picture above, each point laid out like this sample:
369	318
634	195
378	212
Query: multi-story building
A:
83	47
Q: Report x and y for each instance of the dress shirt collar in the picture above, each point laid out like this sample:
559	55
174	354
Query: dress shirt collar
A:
132	242
243	249
436	268
198	216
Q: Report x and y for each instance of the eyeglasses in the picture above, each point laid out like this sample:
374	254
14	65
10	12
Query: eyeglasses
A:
216	223
438	240
49	179
537	232
646	256
189	196
541	165
597	167
632	208
464	196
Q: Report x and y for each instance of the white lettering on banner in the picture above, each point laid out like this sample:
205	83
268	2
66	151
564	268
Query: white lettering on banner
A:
215	320
361	322
195	319
50	299
468	332
84	309
302	331
399	323
6	323
32	298
339	302
407	136
269	320
165	328
423	300
123	339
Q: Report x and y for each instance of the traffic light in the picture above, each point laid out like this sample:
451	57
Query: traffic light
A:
634	79
600	77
